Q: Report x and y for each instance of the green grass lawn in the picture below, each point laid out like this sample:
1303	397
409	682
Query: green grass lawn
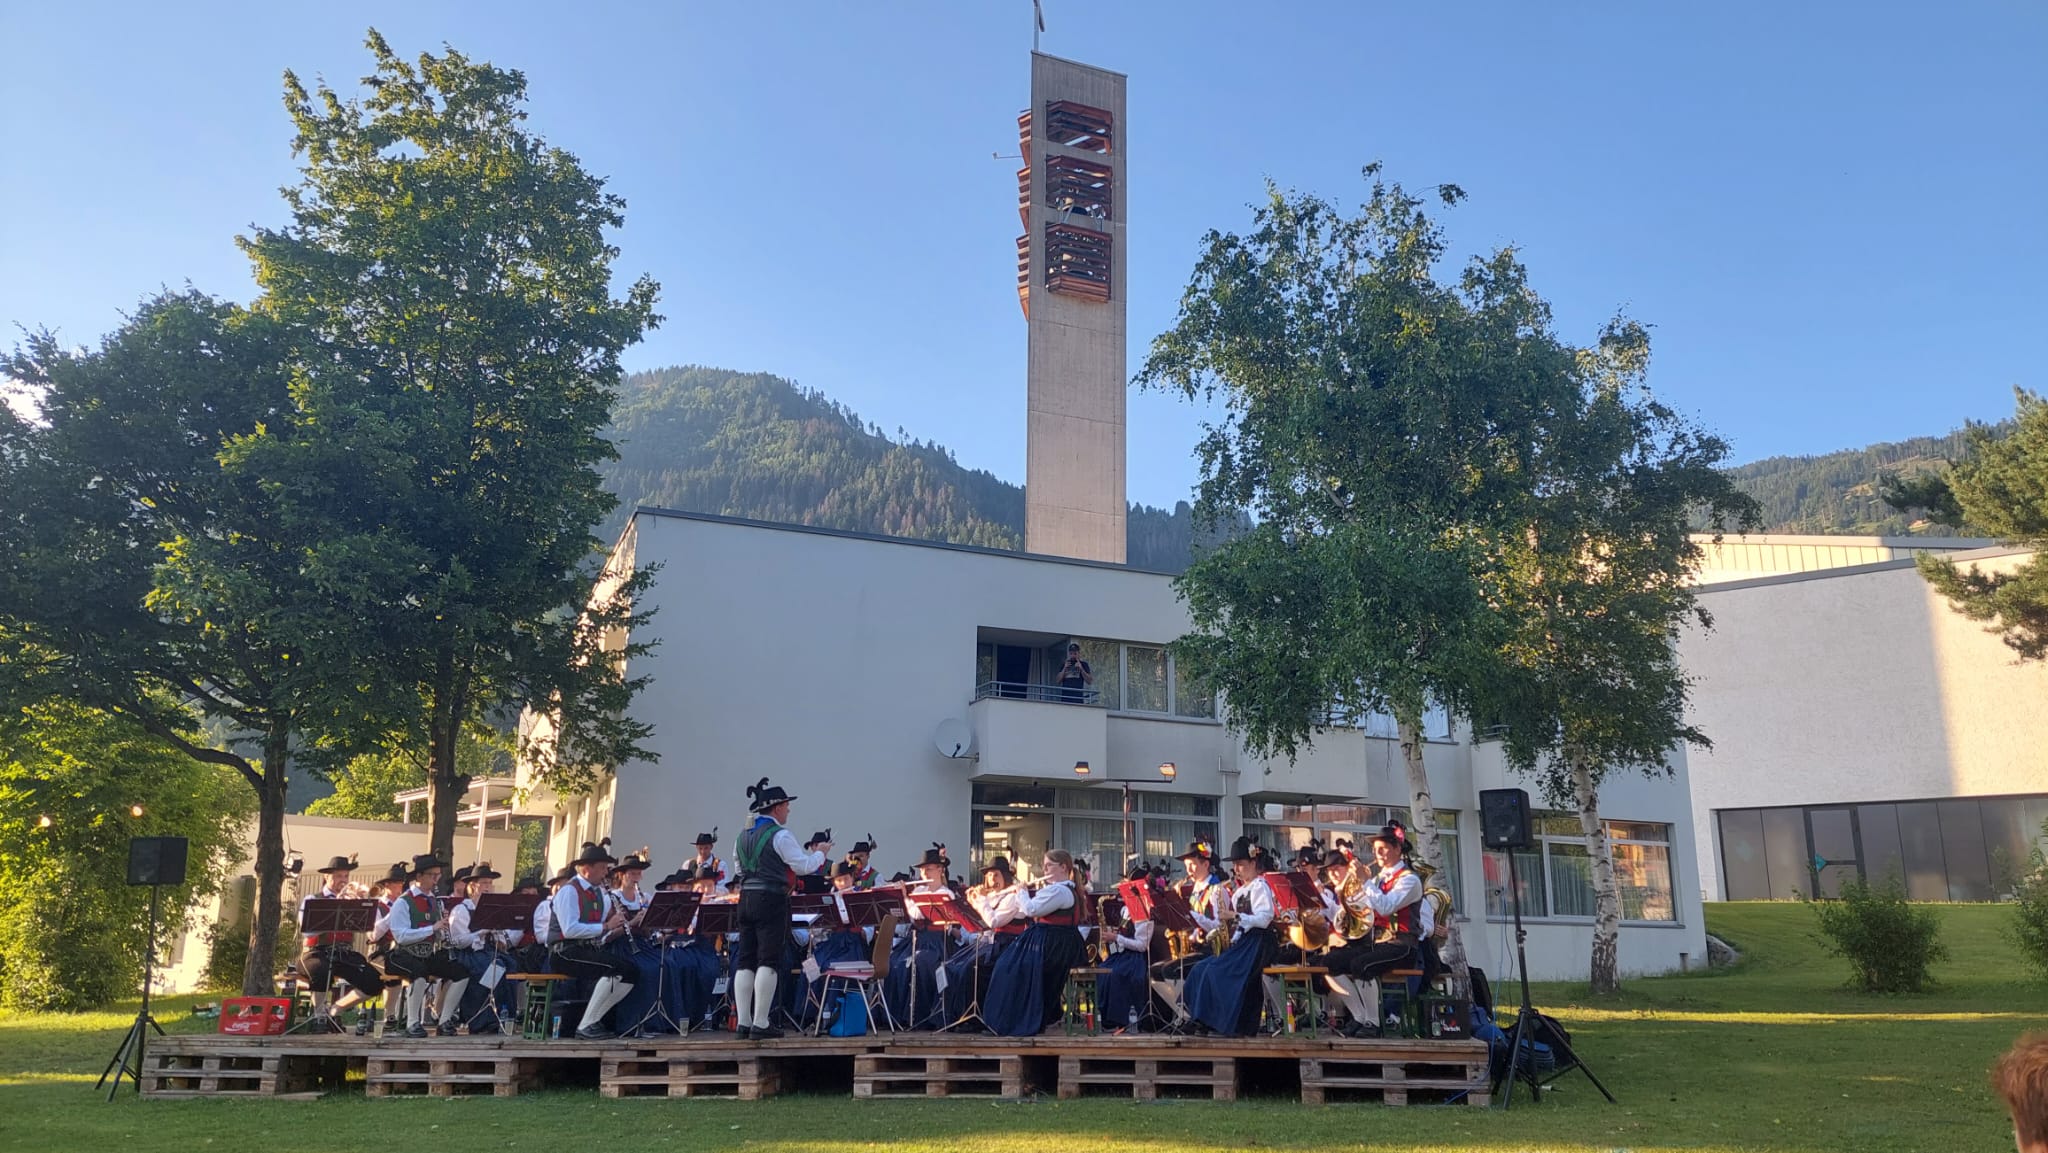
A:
1774	1054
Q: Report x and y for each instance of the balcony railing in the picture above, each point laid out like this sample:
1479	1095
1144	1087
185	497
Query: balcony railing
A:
1050	694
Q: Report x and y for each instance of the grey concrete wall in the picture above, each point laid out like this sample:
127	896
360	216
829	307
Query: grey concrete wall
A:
1074	373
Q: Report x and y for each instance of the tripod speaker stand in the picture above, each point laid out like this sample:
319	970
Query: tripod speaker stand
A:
1504	825
156	862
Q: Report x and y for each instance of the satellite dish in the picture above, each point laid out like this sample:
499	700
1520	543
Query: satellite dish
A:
953	738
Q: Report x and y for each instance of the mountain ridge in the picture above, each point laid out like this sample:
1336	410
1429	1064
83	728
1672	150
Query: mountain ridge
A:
751	444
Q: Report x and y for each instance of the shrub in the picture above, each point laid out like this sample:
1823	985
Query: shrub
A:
2028	928
1888	943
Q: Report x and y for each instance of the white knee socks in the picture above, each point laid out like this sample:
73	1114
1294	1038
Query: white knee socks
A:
416	1002
743	998
609	991
765	980
451	1001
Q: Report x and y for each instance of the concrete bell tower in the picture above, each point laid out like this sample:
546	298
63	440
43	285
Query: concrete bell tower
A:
1071	281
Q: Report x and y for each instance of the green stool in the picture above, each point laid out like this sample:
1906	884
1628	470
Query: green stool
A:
536	1002
1300	979
1079	1003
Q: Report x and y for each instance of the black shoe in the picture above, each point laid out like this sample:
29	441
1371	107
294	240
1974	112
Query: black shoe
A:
362	1026
416	1031
744	1032
595	1033
766	1032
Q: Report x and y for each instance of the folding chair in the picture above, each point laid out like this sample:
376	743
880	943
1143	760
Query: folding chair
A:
868	977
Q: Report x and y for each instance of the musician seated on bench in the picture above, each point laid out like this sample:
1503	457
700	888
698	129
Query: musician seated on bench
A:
581	917
419	953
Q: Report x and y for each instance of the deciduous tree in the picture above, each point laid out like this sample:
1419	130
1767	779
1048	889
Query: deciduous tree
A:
1382	433
445	284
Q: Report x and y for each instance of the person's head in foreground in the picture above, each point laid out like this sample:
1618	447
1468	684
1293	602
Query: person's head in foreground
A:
2021	1077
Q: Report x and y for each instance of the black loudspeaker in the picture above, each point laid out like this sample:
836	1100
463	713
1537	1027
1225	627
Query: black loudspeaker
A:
1504	818
156	860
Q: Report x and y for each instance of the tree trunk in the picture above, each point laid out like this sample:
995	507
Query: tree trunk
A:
1422	823
1606	968
446	786
268	915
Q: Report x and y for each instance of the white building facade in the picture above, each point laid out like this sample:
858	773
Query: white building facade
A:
1861	725
837	664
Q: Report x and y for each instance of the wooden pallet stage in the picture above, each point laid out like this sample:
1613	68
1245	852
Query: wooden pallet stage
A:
1140	1067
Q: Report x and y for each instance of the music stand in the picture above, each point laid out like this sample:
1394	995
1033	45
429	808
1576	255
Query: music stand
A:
666	912
497	913
335	915
946	909
719	920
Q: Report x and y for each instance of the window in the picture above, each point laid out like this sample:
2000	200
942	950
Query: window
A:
1555	875
1022	821
1286	827
1953	849
1145	680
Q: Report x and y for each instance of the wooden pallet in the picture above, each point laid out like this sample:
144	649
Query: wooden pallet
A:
1144	1077
179	1074
480	1074
669	1073
984	1074
1389	1077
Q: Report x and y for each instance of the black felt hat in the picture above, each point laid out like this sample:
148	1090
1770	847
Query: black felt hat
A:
1199	849
563	875
862	847
1000	865
462	874
710	838
482	871
595	855
1243	849
936	855
764	796
340	865
423	863
400	872
632	861
846	869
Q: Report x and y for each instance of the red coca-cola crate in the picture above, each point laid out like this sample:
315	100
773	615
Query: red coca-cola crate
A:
255	1016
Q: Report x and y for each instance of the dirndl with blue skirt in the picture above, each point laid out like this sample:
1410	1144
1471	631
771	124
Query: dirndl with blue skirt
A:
1225	992
1023	996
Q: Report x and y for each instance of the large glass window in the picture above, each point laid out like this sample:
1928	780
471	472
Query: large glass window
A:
1023	821
1284	827
1556	873
1953	849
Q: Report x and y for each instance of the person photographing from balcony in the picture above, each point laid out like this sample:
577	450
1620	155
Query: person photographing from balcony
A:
1075	677
770	863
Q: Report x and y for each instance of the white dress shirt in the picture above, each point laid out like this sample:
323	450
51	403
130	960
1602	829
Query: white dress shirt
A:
1049	898
544	921
403	931
1259	896
1406	890
567	926
1138	940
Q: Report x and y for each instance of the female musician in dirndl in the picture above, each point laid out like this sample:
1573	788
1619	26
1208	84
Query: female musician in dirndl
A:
1133	947
919	952
834	945
1224	993
968	969
1024	990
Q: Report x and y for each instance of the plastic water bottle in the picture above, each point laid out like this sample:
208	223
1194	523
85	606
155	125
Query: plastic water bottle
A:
555	1030
1132	1024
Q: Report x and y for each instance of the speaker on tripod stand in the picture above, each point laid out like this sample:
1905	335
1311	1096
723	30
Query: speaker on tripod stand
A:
1505	826
156	862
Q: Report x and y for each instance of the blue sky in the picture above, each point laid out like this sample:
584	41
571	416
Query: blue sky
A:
1834	215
